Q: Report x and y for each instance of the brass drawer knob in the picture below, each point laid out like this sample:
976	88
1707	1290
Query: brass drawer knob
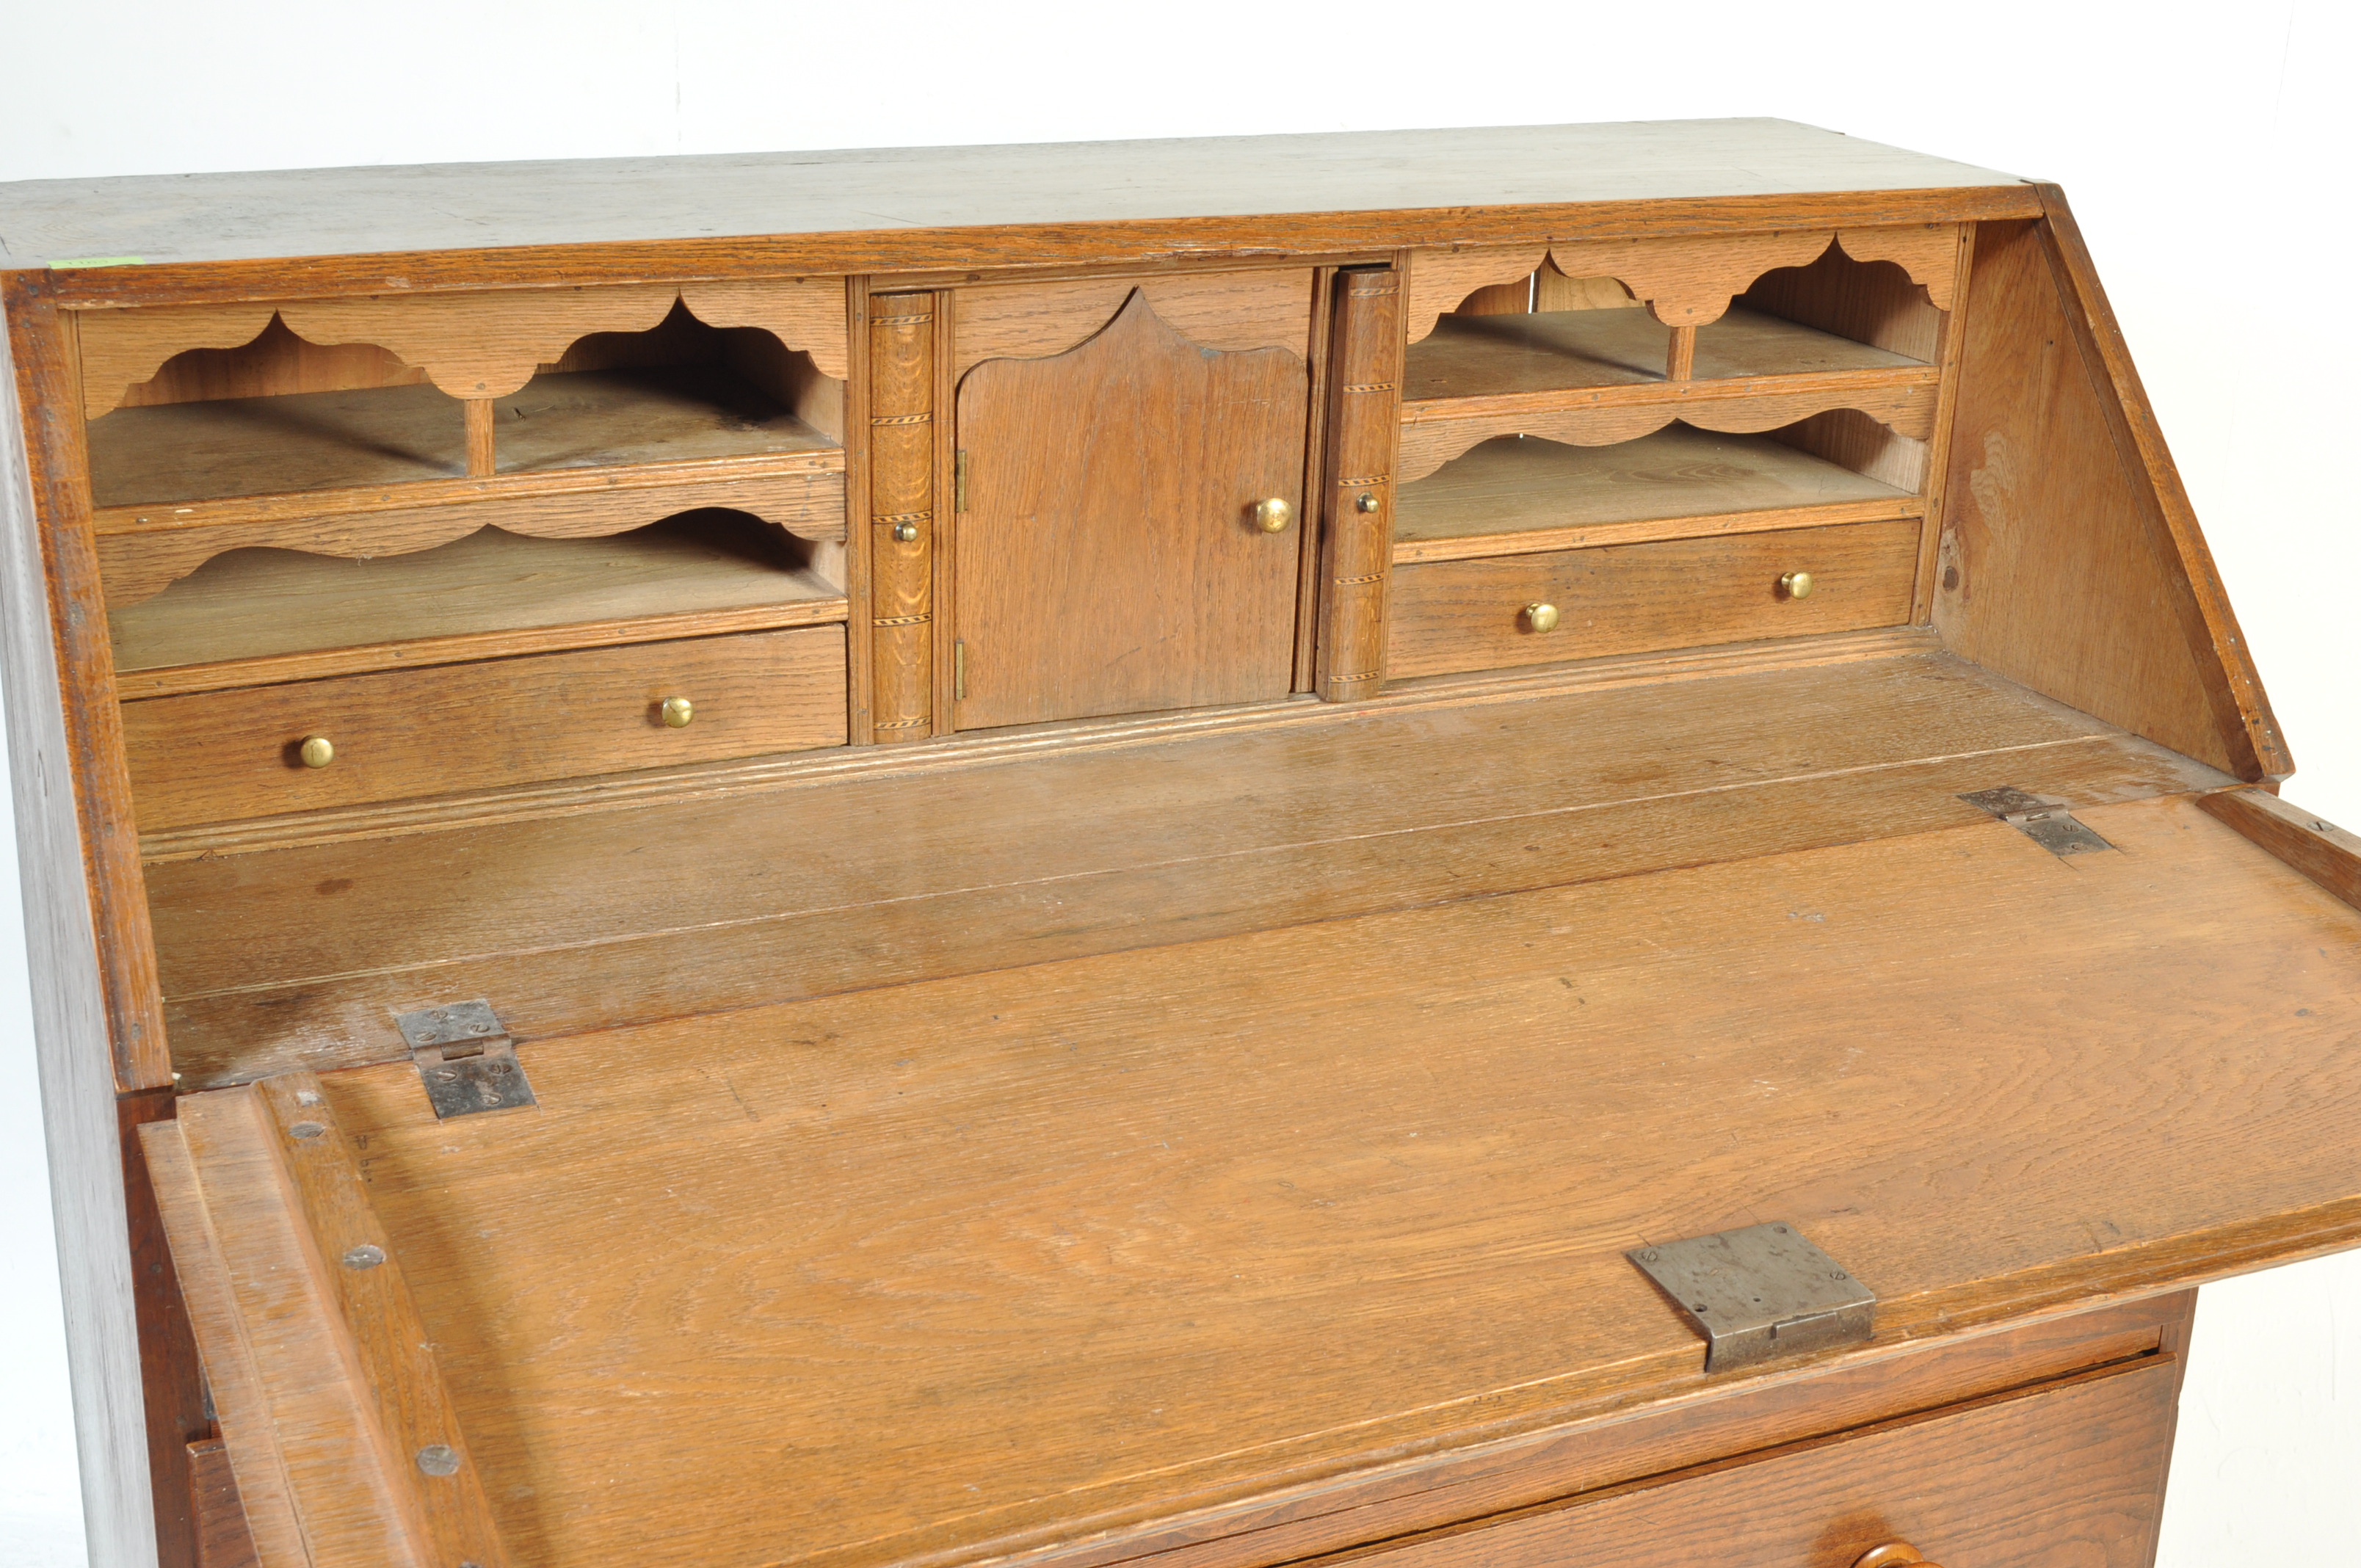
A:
317	750
1272	516
677	712
1893	1554
1794	585
1539	617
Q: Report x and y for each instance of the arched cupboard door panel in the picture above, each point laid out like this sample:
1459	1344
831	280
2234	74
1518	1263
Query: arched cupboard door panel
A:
1117	555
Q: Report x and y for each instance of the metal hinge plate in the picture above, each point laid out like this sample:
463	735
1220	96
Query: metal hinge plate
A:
959	480
1760	1294
2047	822
466	1058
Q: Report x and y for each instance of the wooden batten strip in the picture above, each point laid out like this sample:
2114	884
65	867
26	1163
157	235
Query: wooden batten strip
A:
1357	511
241	1404
374	1299
347	1449
2319	848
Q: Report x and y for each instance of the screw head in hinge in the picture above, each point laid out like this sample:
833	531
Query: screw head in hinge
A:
366	1256
439	1459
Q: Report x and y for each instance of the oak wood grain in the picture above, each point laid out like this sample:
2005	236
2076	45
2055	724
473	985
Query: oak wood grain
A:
222	1540
1202	194
2054	567
314	1476
1359	500
1420	1492
370	1296
42	355
141	551
904	519
979	861
166	455
2319	848
1512	494
1436	431
1475	356
1621	598
273	362
1109	560
2225	658
217	756
2004	1481
1233	312
261	617
1091	1209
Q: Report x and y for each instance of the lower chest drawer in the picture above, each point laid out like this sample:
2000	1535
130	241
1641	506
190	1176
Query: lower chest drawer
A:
223	756
2068	1474
1449	616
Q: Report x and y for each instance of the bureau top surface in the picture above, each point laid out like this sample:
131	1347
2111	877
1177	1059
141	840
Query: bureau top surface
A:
466	206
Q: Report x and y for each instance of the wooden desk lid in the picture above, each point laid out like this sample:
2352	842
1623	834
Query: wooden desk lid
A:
961	1268
609	200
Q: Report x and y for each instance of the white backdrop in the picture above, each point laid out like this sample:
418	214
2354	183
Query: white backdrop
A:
2210	155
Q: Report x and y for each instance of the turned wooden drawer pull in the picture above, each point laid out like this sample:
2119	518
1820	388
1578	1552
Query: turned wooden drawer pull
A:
677	711
1893	1554
1794	585
1539	617
317	750
1272	516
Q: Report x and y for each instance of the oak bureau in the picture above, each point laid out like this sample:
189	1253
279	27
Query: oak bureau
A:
1537	848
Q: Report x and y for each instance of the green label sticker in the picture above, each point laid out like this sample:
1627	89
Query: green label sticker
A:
100	261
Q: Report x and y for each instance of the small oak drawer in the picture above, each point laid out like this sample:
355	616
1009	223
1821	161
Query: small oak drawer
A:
1497	611
262	751
2067	1473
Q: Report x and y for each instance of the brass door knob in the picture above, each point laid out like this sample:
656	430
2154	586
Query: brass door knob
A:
1893	1554
677	712
1794	585
1272	516
317	750
1540	616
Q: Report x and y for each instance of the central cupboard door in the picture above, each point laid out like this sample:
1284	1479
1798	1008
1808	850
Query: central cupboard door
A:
1111	557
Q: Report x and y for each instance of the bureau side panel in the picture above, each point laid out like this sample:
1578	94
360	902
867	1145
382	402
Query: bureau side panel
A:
69	1027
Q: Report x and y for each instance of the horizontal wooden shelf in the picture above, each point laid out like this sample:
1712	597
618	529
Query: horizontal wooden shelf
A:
259	617
1515	495
1596	377
306	443
1482	357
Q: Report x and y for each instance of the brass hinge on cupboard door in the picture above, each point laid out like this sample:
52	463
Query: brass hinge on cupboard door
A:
464	1057
959	480
958	671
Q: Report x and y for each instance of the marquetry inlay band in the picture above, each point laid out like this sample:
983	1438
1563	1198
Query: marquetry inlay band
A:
902	321
1356	582
1372	386
902	418
902	517
899	724
900	620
